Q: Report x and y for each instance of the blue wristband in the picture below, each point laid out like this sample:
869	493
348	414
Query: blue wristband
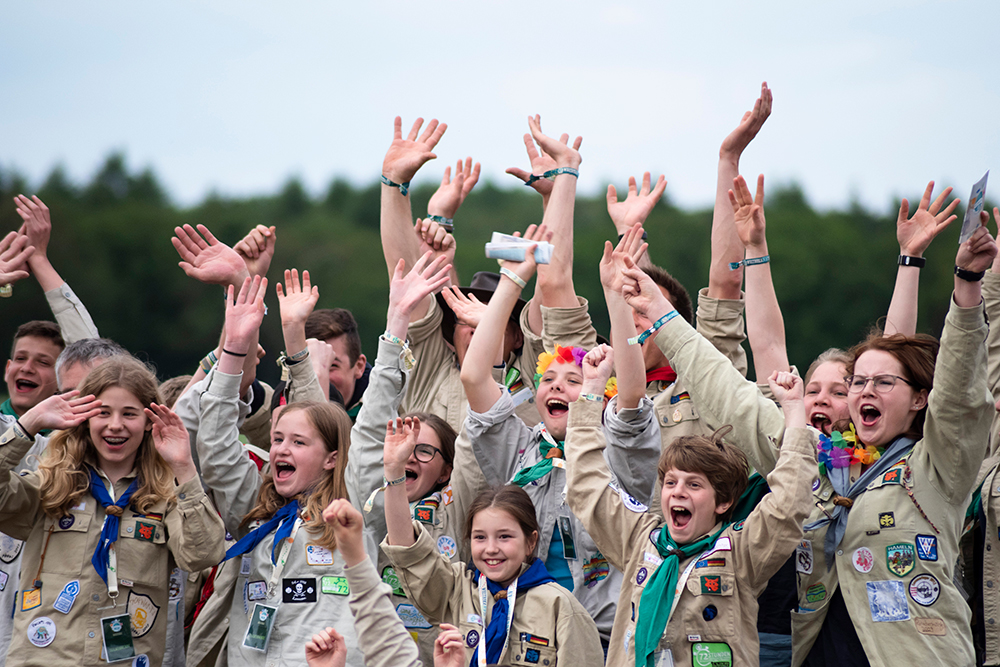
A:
403	187
752	261
641	338
552	173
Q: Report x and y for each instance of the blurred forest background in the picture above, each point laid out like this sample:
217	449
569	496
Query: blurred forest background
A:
833	270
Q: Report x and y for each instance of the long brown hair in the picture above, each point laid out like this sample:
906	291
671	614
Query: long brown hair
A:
65	476
513	500
334	427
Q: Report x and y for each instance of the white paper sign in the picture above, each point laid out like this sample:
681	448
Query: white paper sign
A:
976	202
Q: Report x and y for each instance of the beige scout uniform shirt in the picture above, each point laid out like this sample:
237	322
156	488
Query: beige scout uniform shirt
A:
435	385
445	592
442	513
717	608
188	534
381	635
909	618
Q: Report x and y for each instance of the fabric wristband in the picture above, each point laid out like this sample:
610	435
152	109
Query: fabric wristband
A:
552	173
750	261
403	187
409	361
447	223
969	276
591	397
386	483
516	279
297	358
910	260
641	338
645	236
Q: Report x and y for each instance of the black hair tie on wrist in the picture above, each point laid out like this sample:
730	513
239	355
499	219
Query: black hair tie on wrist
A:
234	354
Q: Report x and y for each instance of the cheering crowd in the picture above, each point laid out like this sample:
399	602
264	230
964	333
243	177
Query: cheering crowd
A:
505	485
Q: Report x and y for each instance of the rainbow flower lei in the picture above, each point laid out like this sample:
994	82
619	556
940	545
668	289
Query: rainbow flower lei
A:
841	450
564	355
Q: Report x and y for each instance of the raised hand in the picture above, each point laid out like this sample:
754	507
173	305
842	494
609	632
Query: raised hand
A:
406	156
449	647
244	313
978	252
401	436
170	438
637	205
327	648
435	239
560	151
541	162
296	302
597	368
452	192
60	411
14	253
425	278
916	233
786	386
348	526
467	308
613	261
748	212
642	293
753	120
526	269
257	249
37	223
206	259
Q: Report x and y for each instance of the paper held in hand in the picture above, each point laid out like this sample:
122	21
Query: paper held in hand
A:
505	246
976	202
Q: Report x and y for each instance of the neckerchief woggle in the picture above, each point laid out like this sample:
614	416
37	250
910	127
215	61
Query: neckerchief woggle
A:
496	635
109	531
841	480
285	517
550	450
657	600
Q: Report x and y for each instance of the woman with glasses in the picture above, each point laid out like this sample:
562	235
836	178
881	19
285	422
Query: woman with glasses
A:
875	566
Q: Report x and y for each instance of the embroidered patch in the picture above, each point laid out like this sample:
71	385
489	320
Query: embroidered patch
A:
900	559
815	486
390	577
66	521
924	589
67	596
863	559
816	593
640	576
141	661
447	495
886	520
926	547
631	503
887	601
472	638
711	585
595	569
711	562
931	626
298	590
683	396
652	559
145	531
256	590
142	613
317	555
3	580
804	557
711	654
9	548
892	477
533	639
710	612
447	546
335	586
42	631
424	514
738	526
411	618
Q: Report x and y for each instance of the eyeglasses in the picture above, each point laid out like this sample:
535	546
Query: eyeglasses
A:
425	453
883	383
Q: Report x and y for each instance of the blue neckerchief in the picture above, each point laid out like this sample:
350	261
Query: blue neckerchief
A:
109	533
536	575
841	480
285	517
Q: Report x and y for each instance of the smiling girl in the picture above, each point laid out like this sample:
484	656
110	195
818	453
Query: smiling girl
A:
290	570
547	626
115	505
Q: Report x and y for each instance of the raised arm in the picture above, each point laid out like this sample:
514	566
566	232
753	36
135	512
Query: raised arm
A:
540	162
401	163
446	200
973	258
635	208
629	365
401	437
765	324
486	346
914	235
726	246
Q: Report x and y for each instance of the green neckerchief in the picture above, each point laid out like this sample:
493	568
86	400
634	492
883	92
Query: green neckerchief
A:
550	449
653	617
658	597
8	409
976	504
353	411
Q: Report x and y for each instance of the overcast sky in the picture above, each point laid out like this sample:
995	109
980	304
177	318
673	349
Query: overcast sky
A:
871	99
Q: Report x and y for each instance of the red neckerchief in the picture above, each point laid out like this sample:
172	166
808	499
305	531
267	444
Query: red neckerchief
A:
662	374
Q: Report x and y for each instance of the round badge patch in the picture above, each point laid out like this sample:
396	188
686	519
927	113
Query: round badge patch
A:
66	521
863	559
816	484
472	638
924	589
631	503
640	576
447	546
709	612
41	631
140	661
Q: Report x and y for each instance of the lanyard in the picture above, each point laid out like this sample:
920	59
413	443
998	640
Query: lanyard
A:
112	556
511	599
682	580
279	567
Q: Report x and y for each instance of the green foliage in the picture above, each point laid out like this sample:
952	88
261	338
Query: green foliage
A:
833	270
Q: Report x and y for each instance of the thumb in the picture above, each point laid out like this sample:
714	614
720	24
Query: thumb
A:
518	173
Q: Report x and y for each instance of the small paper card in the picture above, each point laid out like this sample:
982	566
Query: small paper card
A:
259	630
976	202
116	631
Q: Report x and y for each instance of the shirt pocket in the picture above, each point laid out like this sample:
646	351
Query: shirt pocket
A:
63	547
672	414
885	507
710	611
142	551
532	653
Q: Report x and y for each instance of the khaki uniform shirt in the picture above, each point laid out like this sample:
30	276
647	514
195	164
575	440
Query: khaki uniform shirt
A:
716	612
445	592
381	635
188	534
